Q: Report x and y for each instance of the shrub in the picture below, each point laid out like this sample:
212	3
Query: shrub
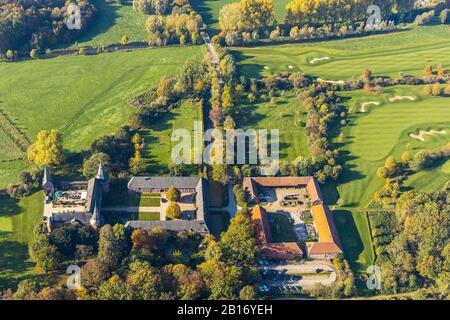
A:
239	194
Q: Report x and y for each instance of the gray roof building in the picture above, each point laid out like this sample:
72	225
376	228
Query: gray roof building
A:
171	225
161	184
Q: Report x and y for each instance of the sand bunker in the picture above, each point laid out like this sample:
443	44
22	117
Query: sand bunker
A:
398	98
318	59
329	81
266	67
365	104
423	133
290	67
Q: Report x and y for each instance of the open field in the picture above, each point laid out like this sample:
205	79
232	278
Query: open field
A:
113	20
210	9
17	220
157	136
383	131
285	114
404	52
86	96
9	150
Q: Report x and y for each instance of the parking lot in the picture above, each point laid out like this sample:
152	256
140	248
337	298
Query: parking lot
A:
284	277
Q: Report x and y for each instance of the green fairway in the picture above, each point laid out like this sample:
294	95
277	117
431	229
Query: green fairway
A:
404	52
112	21
284	113
210	9
354	233
384	130
17	220
85	96
430	180
157	136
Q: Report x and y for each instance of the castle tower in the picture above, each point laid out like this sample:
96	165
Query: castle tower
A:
96	219
103	177
47	182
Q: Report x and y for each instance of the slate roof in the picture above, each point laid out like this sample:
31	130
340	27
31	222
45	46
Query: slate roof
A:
101	173
138	183
171	225
94	195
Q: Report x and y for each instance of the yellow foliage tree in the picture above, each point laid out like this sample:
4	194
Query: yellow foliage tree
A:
47	150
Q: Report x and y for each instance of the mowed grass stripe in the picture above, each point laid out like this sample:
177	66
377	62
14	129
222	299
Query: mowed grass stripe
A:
404	52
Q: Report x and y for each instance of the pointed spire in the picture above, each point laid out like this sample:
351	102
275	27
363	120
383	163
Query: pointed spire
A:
96	219
101	173
46	178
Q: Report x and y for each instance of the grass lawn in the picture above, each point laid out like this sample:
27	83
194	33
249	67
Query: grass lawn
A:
282	230
284	114
148	216
92	93
406	51
114	20
210	9
9	150
157	137
17	220
146	200
218	222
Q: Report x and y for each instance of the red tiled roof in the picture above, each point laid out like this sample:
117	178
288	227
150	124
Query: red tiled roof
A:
261	225
323	248
285	250
250	184
324	224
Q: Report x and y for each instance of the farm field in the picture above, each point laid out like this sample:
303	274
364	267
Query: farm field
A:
157	136
383	131
113	20
284	113
17	220
101	88
404	52
210	9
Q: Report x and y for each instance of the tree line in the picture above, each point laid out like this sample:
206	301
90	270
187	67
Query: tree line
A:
38	24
